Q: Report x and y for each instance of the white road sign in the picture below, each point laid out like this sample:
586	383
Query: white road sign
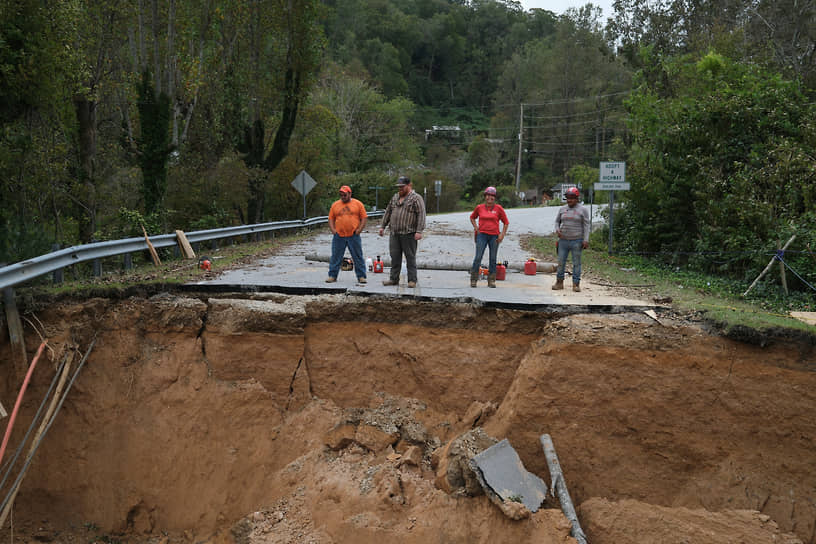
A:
612	177
611	186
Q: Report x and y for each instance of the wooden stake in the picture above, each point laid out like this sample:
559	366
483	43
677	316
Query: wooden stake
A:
15	328
153	254
770	264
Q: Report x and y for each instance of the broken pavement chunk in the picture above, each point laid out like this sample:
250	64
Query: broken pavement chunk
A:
502	472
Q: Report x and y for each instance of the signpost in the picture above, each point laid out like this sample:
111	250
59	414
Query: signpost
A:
376	196
612	178
303	183
438	191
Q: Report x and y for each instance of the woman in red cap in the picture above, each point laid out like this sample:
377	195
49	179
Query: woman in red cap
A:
486	233
347	219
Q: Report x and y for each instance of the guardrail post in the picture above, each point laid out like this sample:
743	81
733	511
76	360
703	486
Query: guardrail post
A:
15	330
213	244
57	276
127	261
96	264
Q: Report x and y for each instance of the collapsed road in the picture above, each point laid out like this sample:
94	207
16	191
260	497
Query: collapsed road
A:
262	418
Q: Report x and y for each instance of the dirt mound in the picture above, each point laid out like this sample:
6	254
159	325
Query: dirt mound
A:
317	419
634	522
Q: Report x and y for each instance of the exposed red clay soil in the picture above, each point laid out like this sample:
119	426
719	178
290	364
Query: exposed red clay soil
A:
326	420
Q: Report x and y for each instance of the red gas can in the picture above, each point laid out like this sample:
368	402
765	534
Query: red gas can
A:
378	266
501	271
530	267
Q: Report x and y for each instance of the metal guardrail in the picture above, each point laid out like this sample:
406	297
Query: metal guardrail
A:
23	271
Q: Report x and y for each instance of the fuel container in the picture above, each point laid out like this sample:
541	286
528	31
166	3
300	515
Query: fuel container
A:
530	268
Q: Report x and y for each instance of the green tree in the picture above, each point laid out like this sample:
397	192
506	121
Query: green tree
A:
572	85
35	68
154	142
373	131
284	45
721	167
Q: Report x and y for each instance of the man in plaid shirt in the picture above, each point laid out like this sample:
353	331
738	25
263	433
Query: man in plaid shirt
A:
405	214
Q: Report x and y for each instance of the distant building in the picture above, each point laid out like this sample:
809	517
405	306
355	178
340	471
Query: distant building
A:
560	189
448	132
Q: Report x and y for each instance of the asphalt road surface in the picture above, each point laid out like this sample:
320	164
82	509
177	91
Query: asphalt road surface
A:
444	257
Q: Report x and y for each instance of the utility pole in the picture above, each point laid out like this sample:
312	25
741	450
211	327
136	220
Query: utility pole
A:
518	163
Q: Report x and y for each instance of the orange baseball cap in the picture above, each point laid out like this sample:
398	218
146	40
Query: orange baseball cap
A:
345	189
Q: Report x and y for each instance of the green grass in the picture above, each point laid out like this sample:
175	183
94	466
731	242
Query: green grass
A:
171	271
716	299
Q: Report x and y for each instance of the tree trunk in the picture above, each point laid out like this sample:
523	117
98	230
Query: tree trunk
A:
280	147
86	117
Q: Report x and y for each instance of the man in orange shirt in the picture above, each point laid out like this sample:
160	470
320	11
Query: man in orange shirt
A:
347	219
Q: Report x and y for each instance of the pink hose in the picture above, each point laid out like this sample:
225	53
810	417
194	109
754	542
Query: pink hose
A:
19	400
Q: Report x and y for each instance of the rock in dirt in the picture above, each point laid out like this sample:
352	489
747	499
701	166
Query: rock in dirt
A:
453	473
478	412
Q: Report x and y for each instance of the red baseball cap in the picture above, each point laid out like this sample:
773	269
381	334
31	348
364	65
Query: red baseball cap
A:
345	189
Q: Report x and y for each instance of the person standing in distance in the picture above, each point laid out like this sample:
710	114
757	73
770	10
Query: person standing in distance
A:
347	219
405	215
572	228
487	235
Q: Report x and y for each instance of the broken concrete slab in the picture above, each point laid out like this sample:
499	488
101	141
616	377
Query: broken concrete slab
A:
504	474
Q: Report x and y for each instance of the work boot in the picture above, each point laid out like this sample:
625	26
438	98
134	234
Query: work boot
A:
331	280
576	287
391	282
411	284
491	280
361	280
474	278
558	285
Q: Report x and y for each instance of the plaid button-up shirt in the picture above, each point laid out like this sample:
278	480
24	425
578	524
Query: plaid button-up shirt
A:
405	217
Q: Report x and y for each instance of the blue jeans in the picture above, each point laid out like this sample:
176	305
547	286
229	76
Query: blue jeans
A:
484	241
564	247
355	247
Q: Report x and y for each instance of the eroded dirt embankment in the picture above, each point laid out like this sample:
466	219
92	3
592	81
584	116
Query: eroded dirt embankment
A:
208	420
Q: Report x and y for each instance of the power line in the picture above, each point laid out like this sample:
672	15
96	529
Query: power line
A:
581	114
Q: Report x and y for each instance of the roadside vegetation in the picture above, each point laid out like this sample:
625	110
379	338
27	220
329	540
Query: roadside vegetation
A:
715	299
173	270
